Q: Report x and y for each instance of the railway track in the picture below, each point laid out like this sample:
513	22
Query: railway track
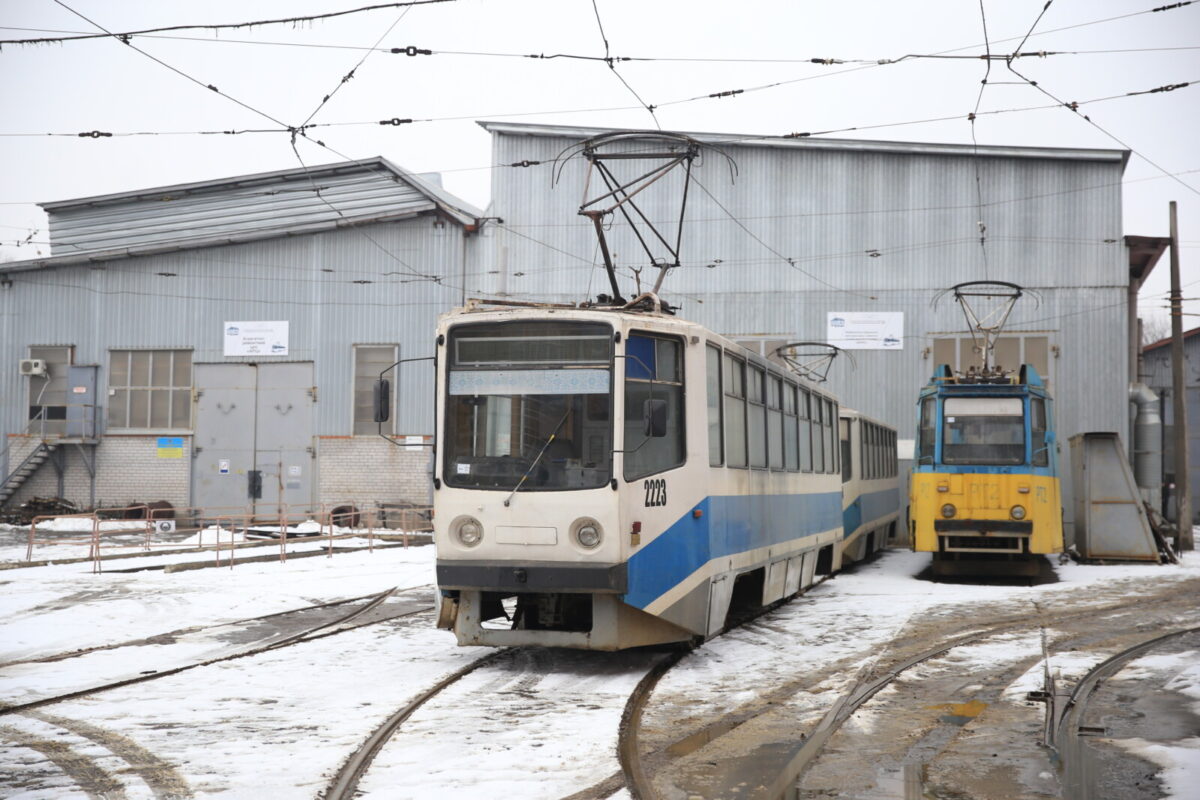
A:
168	636
809	746
1069	739
345	783
325	628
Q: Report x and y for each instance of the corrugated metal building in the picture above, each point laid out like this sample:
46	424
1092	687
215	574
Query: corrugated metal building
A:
807	227
1157	374
201	337
360	258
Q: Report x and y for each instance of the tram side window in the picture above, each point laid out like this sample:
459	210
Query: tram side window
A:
818	434
927	431
757	428
865	450
655	371
774	422
1037	432
735	412
877	451
844	435
716	454
791	451
806	438
831	446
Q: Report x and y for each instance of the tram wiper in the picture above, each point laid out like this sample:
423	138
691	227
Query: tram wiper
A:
538	457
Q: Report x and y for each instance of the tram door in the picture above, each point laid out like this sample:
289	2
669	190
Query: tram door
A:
254	445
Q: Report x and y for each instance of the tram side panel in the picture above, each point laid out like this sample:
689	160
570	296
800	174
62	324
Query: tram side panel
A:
870	488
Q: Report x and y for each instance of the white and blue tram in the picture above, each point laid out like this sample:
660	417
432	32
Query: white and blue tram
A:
870	484
608	478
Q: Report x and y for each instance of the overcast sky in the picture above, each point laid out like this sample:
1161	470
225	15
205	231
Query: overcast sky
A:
274	76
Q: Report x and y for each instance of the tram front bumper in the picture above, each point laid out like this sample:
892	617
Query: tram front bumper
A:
515	578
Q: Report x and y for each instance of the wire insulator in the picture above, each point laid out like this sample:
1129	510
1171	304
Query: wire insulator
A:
93	134
395	121
411	51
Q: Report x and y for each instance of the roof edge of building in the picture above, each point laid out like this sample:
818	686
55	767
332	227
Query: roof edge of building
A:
821	143
462	211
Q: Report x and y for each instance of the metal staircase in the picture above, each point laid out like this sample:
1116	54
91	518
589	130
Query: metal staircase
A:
38	456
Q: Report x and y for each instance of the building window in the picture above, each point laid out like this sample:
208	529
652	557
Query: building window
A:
369	361
48	393
960	352
150	389
716	455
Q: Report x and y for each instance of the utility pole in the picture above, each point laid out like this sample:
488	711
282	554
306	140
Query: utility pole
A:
1183	490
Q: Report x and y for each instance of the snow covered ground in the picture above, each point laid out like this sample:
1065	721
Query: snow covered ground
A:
279	724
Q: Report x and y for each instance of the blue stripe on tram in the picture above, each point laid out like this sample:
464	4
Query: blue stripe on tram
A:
867	508
728	526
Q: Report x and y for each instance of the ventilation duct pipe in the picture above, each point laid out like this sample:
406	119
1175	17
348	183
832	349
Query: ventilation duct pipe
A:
1147	442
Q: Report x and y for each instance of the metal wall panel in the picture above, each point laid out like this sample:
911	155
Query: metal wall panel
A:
850	226
181	300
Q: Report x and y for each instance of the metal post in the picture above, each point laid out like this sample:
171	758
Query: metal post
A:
1183	491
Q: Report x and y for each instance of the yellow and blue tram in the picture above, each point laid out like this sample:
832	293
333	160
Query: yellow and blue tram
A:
984	491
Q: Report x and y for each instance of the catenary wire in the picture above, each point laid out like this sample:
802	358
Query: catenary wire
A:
222	26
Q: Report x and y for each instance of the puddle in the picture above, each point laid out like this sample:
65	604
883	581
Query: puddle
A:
960	713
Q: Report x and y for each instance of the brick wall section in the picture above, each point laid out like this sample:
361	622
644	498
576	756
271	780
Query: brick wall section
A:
366	470
128	470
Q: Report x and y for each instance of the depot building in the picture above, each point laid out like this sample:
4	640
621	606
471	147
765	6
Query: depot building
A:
214	344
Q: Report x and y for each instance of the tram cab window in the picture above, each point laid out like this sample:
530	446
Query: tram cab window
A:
529	401
653	370
1040	451
987	431
927	430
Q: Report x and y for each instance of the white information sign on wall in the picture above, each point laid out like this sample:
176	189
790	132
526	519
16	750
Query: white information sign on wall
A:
865	330
256	338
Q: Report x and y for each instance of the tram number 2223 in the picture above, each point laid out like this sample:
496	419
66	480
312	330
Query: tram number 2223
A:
656	492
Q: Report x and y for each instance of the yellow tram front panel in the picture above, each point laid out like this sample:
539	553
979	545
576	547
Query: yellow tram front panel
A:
983	518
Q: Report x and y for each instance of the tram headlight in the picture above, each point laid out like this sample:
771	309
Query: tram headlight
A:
468	531
949	510
1017	512
587	533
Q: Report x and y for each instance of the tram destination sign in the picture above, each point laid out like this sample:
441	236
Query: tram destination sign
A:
865	330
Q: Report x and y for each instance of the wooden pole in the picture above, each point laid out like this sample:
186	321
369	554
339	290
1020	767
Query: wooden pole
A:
1183	490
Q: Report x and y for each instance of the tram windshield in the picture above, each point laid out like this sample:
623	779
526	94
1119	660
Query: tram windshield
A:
532	400
986	431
